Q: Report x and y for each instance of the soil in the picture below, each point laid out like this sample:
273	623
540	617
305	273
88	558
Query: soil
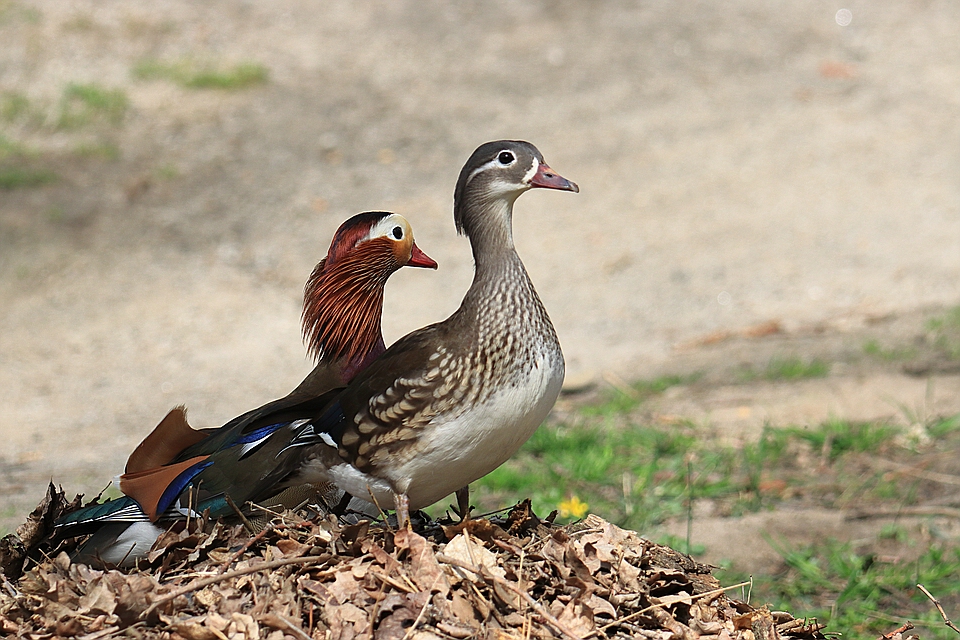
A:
756	180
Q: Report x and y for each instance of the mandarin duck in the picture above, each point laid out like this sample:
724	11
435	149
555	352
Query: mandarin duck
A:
450	402
179	471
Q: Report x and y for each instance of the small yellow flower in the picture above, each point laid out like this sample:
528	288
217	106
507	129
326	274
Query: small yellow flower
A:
573	506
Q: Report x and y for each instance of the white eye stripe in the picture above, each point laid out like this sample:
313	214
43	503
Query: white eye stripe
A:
386	229
499	165
481	168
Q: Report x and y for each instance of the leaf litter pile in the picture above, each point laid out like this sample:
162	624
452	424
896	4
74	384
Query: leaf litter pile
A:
513	577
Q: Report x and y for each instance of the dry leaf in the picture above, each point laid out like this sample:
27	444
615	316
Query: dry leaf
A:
425	571
473	554
194	631
367	581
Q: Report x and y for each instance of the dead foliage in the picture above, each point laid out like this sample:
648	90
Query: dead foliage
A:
518	577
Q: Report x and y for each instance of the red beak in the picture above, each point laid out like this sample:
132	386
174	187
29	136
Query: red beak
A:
546	178
420	259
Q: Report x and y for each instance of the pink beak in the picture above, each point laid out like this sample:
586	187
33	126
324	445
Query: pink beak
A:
420	259
546	178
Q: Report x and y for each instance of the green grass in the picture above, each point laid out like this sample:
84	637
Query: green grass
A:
857	593
638	475
97	150
14	106
623	400
944	427
6	513
18	167
18	177
83	104
193	75
17	12
874	349
12	149
786	368
835	437
167	171
945	332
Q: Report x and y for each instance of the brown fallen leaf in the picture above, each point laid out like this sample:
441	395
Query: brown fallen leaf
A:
530	579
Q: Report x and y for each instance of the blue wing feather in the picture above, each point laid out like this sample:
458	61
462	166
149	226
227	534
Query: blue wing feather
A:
175	488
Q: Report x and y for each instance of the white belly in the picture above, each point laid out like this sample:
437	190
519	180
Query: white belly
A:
456	452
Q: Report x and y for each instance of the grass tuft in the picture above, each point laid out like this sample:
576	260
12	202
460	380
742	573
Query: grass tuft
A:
835	438
85	103
624	399
786	369
191	75
14	106
641	475
874	349
17	167
99	150
857	593
945	333
17	177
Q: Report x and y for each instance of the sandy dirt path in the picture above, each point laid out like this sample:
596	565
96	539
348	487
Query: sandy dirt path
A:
739	163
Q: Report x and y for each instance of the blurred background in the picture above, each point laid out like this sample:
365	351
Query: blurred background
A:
750	172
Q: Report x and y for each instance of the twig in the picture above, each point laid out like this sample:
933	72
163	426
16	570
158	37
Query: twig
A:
543	613
669	600
9	587
396	584
376	607
423	609
246	545
246	523
278	621
275	514
939	607
254	539
383	514
200	584
103	633
906	626
933	476
620	384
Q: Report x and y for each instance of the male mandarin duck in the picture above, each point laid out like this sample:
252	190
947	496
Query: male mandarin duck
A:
178	470
449	403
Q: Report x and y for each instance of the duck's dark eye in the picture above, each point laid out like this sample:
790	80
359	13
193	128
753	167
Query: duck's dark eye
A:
398	233
505	157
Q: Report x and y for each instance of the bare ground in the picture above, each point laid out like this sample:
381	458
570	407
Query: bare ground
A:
740	164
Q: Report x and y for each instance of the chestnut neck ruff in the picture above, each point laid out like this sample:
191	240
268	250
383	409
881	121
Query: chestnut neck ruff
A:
342	305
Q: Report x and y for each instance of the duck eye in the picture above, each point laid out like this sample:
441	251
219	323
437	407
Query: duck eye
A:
398	233
505	157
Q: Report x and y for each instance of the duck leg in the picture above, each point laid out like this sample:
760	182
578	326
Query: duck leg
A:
463	503
402	503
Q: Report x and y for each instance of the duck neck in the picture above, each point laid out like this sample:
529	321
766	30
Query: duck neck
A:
360	361
489	225
501	287
341	316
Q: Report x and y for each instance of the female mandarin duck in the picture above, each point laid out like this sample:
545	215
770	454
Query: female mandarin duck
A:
177	470
449	403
